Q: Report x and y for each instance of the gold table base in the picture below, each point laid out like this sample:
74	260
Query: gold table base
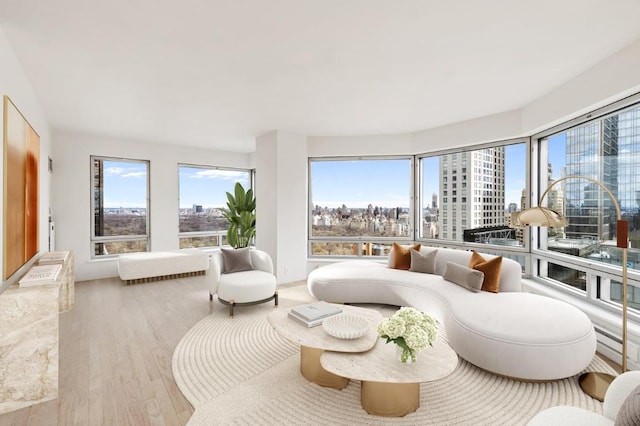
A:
595	384
390	399
312	370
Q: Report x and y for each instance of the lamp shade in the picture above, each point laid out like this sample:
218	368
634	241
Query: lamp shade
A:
538	216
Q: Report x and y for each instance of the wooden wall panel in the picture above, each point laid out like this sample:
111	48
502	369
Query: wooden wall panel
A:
22	152
31	193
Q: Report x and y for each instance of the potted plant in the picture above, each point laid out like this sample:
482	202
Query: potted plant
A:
241	215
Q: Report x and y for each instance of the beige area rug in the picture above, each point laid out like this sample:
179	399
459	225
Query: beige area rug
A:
241	372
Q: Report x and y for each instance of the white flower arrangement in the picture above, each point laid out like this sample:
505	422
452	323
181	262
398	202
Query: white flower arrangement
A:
411	330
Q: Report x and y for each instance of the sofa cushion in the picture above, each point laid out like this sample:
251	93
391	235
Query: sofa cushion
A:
490	268
236	260
423	263
400	256
463	276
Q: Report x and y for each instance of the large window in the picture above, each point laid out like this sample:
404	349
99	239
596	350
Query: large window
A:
202	196
468	196
120	221
606	149
359	205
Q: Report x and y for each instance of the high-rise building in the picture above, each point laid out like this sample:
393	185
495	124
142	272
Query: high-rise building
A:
472	191
555	201
591	151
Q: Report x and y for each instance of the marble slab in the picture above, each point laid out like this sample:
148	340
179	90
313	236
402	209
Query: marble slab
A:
28	346
316	337
380	364
29	332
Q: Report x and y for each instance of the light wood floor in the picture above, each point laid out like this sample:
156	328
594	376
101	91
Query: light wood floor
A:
115	355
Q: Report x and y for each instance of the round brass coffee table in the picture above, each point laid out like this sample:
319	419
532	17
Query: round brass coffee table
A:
388	387
315	341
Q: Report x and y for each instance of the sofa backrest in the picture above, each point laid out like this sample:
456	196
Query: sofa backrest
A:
510	275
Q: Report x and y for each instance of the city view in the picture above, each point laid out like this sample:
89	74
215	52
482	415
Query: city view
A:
466	196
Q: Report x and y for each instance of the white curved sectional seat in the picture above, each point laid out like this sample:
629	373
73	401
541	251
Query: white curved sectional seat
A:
511	333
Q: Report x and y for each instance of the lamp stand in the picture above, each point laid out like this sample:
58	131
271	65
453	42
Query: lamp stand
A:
592	383
595	384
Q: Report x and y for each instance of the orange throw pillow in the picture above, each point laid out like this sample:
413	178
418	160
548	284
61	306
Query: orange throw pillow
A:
401	256
491	269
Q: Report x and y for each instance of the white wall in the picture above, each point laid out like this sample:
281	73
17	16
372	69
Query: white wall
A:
335	146
72	191
491	128
266	164
281	194
14	84
614	78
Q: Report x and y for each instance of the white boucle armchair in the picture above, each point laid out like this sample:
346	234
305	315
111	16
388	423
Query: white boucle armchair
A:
616	395
246	287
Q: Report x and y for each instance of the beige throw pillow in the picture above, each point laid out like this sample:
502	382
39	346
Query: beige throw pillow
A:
464	276
423	263
237	260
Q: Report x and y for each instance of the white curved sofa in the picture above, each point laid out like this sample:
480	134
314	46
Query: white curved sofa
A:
511	333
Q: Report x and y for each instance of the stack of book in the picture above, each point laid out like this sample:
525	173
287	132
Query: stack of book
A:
41	275
54	257
314	313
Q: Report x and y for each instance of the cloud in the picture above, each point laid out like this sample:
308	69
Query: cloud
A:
231	175
134	174
125	172
114	171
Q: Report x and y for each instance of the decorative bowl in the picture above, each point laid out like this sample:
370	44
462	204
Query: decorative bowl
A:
345	326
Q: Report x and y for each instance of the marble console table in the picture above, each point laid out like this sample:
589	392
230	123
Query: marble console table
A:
29	331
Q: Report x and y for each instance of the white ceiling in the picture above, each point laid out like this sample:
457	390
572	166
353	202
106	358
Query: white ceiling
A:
218	73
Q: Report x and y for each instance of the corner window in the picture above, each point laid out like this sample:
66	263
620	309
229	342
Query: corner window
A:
606	150
120	201
498	173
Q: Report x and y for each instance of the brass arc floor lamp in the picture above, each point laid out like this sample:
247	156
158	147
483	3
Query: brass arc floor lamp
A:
594	384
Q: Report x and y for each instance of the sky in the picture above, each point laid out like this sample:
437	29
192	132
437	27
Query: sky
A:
125	185
356	184
385	183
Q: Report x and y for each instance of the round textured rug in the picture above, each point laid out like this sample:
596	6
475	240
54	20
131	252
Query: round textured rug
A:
240	371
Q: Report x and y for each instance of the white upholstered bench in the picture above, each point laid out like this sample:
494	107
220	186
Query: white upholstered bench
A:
148	266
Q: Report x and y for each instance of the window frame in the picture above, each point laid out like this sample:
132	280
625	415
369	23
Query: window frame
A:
467	245
539	256
220	235
359	240
93	239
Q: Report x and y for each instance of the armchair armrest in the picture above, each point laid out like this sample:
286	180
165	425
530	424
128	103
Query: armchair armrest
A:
262	261
214	272
618	391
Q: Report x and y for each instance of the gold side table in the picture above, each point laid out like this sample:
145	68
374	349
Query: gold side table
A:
390	388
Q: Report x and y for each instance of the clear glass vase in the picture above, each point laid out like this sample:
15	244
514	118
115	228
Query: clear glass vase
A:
405	356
